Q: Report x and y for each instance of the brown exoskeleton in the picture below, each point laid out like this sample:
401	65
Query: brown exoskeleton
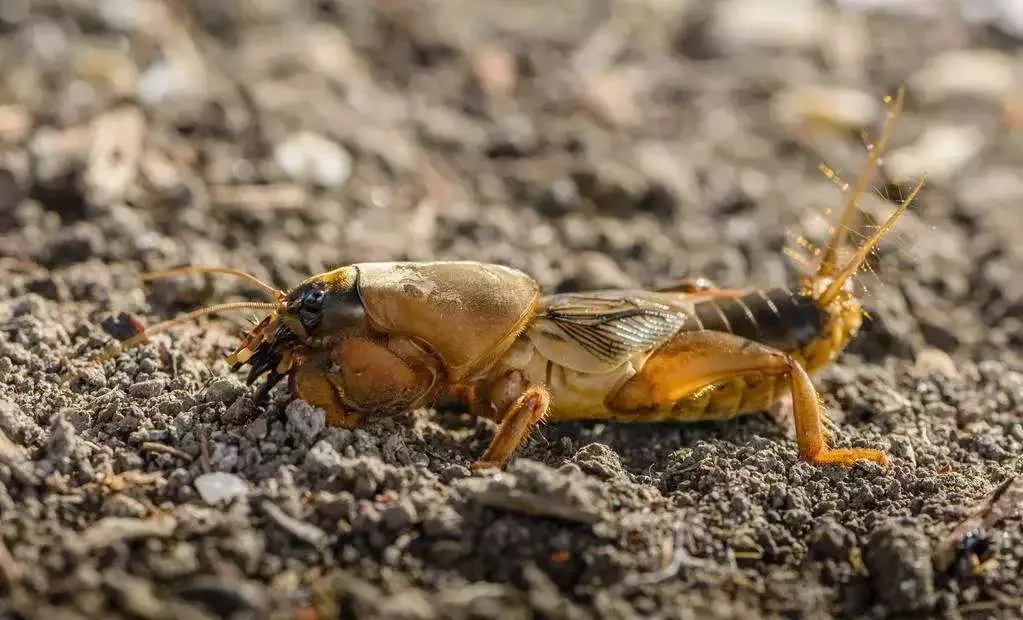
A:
376	339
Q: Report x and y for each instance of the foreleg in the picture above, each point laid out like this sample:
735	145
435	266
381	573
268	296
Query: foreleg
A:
520	418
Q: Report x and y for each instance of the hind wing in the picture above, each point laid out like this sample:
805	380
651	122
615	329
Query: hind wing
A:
599	331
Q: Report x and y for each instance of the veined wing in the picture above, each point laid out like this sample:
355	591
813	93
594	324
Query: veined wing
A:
599	331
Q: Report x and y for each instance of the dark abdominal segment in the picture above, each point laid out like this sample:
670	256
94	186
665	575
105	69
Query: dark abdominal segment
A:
775	317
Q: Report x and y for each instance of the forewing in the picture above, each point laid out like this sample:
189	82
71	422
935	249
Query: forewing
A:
599	331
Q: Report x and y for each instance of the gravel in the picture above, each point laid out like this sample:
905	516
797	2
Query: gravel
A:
590	148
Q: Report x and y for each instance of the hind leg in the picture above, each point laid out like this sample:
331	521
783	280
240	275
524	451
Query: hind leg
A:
707	375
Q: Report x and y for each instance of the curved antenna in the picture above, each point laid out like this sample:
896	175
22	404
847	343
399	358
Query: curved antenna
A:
827	265
112	350
274	293
850	268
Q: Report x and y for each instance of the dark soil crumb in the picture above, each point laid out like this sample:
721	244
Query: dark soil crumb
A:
589	144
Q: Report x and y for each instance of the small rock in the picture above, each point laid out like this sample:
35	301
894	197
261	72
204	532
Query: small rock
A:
899	560
92	375
826	106
147	389
13	421
445	522
789	24
936	361
63	438
495	70
216	487
939	153
322	458
304	421
399	515
312	158
116	142
223	390
29	305
15	123
614	95
981	73
599	460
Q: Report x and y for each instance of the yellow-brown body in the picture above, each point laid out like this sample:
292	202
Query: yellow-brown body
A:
375	339
390	337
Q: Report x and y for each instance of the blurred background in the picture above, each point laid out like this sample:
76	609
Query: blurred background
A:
590	143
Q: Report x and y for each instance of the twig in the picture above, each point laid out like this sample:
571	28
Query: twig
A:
159	448
204	452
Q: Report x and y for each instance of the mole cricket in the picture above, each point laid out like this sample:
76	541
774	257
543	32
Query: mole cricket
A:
375	339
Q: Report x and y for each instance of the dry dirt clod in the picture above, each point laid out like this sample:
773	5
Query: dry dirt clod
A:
899	560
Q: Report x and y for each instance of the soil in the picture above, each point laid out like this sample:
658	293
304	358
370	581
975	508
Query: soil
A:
591	144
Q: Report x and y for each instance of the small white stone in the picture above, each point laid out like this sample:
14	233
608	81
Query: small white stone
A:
986	74
782	24
940	152
833	106
311	158
218	486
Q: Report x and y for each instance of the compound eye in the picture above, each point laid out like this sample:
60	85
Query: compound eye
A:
312	301
310	307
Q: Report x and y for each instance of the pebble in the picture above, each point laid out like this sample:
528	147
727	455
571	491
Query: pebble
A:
304	421
311	158
599	460
982	73
15	124
223	390
63	437
784	24
216	487
495	70
117	137
12	419
936	361
939	153
147	389
322	458
831	106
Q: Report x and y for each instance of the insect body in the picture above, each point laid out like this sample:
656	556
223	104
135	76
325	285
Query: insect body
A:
375	339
